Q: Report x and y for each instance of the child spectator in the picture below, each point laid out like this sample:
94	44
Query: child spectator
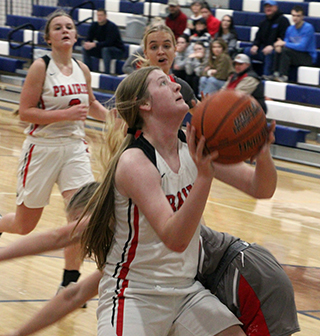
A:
195	65
195	8
218	68
212	22
200	34
180	60
228	33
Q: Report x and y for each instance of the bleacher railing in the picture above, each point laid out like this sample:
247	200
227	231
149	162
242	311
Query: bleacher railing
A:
17	45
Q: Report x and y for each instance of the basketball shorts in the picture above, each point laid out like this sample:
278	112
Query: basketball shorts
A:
258	291
44	162
158	311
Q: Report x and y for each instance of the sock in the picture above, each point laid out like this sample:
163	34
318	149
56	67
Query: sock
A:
70	276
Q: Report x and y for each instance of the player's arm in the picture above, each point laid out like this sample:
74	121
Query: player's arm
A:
68	300
137	178
96	109
45	241
259	181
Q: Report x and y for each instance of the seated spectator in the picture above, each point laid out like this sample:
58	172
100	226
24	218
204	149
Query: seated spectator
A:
195	8
298	47
195	65
200	34
228	33
218	68
132	62
181	57
176	20
103	41
212	22
274	26
246	80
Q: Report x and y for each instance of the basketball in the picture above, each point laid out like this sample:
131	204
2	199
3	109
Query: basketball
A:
233	123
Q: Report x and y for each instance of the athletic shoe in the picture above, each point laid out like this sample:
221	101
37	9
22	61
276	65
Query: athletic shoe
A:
63	287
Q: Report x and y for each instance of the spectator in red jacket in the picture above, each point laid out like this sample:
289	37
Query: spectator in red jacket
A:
213	23
176	20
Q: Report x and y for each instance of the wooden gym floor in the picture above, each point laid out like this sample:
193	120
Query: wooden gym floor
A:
288	225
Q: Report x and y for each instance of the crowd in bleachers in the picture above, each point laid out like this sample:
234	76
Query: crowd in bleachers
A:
239	26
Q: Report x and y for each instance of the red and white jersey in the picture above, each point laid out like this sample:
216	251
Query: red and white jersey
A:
61	92
138	254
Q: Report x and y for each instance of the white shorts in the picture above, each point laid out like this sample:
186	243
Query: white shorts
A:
44	162
159	311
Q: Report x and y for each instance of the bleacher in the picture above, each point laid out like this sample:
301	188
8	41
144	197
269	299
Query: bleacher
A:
295	106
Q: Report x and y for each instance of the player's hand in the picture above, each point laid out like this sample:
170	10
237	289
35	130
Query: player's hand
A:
203	161
77	112
265	149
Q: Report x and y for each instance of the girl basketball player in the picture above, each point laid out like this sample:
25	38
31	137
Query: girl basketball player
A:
273	314
56	99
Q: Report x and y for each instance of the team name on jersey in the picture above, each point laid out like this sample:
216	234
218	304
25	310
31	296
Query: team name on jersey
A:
176	201
70	89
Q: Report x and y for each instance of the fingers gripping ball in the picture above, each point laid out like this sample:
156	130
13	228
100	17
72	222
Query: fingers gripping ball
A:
233	123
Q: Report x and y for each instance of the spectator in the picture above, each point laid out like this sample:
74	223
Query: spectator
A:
176	20
103	41
181	57
245	79
195	8
271	28
195	65
200	34
212	22
228	33
297	48
132	62
218	68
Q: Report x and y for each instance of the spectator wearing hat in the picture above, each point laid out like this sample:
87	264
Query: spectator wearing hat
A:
298	47
245	79
213	23
272	28
176	20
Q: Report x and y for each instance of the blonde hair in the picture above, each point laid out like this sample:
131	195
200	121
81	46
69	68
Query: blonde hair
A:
53	15
81	198
154	29
97	238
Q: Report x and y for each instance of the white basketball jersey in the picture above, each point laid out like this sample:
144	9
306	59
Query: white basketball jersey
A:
61	92
138	254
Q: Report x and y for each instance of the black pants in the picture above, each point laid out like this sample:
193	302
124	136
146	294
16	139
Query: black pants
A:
287	57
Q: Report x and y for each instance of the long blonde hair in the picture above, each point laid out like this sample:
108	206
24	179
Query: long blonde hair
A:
97	238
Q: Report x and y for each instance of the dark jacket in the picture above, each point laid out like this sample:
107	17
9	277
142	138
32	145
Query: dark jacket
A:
107	35
271	29
258	93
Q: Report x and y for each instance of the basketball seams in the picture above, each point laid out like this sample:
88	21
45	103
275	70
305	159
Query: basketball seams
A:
234	135
225	118
244	135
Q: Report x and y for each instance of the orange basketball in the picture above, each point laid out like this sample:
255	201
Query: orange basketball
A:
233	123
